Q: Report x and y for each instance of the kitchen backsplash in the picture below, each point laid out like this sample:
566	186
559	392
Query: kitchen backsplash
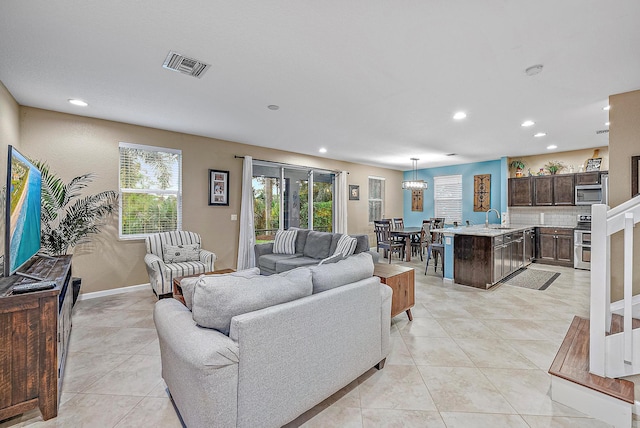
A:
553	216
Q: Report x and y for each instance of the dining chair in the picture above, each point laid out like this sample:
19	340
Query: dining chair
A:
424	240
398	223
384	241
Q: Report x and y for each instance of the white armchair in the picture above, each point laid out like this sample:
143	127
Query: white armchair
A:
173	254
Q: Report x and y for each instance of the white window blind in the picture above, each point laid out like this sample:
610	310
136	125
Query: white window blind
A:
447	195
376	198
150	190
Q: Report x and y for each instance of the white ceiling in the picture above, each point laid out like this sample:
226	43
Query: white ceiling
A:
375	82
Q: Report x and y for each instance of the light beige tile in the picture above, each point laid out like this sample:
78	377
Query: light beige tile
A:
466	328
92	410
493	353
83	369
331	417
563	422
137	376
446	309
385	418
118	341
443	352
159	391
467	420
462	389
424	327
151	412
395	387
399	352
539	352
528	391
152	348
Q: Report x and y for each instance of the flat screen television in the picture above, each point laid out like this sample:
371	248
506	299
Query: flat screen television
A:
22	212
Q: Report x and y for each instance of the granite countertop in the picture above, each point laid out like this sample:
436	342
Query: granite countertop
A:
492	230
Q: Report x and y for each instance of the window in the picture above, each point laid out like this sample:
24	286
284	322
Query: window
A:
150	190
288	196
447	197
376	198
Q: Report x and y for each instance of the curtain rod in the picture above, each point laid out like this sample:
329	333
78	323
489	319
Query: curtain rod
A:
290	164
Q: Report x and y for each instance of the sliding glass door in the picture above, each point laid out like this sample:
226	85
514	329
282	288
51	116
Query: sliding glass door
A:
283	200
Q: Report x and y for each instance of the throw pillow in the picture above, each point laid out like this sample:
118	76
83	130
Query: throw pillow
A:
285	242
331	259
181	253
188	285
215	305
352	269
346	245
318	245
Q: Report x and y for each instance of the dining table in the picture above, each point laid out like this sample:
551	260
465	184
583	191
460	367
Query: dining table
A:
408	233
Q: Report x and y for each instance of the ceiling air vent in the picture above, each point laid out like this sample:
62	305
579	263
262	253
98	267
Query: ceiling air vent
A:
184	65
602	131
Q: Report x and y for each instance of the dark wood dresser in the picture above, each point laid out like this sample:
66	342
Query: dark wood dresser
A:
34	336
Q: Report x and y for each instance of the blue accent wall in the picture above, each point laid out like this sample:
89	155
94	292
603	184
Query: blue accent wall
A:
498	170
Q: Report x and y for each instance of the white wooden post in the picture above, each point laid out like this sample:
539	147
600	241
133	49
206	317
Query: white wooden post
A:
599	283
628	287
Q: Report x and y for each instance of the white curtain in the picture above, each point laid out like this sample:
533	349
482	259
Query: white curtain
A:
340	199
246	256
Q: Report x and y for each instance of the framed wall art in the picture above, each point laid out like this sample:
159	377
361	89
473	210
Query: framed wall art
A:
593	164
635	176
354	192
417	198
481	192
218	187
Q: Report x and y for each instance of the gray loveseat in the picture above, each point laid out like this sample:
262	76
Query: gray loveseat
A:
279	361
311	248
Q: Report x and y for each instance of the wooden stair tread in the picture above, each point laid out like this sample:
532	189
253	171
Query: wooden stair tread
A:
617	323
572	363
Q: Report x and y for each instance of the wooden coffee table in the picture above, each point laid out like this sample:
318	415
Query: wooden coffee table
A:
402	281
177	290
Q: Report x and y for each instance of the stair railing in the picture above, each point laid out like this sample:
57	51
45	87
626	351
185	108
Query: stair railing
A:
605	223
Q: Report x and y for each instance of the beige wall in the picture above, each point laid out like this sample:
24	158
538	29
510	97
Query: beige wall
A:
576	158
74	145
9	125
624	142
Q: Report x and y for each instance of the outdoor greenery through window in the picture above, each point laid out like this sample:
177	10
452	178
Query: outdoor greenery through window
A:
281	199
150	190
376	198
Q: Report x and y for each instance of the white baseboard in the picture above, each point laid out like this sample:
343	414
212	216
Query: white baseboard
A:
129	289
595	404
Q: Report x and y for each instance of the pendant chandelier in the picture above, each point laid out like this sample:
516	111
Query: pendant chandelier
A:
414	184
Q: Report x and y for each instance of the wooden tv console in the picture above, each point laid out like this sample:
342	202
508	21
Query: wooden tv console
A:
34	336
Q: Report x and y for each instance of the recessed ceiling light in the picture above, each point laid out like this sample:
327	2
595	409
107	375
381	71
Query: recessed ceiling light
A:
527	123
607	123
322	150
76	102
460	115
273	107
534	69
552	147
606	108
540	134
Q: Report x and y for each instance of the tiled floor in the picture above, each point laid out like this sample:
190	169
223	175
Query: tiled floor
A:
470	358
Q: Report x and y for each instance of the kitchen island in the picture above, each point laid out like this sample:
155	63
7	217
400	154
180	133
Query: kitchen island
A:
483	256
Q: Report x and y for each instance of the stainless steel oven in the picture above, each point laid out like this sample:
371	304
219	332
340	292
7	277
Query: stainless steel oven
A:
582	243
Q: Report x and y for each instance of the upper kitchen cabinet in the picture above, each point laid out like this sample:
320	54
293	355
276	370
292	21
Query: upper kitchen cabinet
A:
583	178
545	190
521	192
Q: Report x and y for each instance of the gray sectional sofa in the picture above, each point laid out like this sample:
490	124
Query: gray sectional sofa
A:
279	361
311	248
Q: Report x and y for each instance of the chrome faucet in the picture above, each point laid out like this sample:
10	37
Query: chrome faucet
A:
486	216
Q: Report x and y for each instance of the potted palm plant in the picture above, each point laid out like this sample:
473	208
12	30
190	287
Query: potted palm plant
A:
68	217
554	167
518	165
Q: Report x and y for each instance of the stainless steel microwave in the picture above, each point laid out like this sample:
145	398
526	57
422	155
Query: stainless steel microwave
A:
592	193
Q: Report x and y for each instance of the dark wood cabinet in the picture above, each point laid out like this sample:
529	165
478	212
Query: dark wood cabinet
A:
549	190
34	335
591	177
521	192
555	246
473	260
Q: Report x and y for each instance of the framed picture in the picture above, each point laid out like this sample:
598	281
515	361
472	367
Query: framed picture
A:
354	192
417	196
593	164
481	192
218	187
